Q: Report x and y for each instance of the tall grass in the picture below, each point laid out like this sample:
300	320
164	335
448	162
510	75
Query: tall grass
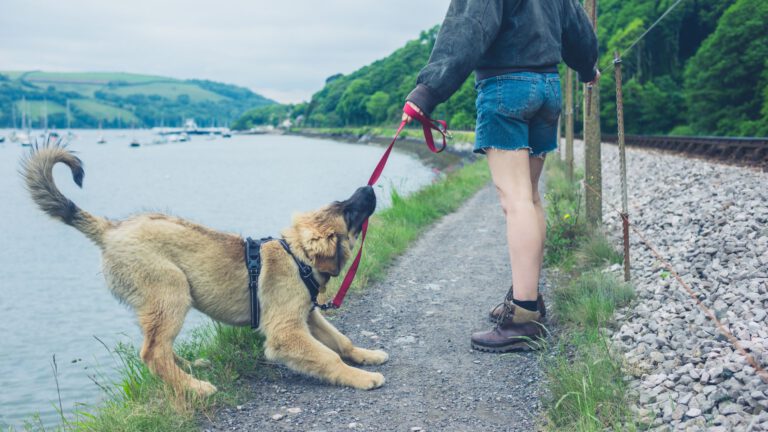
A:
564	216
139	401
587	391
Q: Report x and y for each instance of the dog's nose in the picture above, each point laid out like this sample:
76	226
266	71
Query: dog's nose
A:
368	190
365	197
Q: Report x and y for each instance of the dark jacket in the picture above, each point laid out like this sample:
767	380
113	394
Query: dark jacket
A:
494	37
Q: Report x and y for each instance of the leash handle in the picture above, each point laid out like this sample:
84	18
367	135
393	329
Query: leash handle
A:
427	125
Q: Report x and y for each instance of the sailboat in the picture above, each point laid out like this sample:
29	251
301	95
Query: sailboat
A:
101	139
69	123
22	137
134	141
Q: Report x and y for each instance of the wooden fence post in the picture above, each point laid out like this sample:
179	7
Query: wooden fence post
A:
592	164
569	123
622	163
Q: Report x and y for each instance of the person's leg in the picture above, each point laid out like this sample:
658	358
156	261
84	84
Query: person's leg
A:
512	174
536	165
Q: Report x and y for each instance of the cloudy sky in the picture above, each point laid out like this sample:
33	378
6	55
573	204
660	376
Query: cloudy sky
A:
281	49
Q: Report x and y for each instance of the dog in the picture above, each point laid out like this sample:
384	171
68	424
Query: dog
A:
161	266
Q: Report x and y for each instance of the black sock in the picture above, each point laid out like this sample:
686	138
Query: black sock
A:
527	305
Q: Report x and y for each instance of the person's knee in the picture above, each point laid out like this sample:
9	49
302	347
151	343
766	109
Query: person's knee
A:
514	206
536	198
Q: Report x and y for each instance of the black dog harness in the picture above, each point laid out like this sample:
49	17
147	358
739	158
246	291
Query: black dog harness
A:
253	263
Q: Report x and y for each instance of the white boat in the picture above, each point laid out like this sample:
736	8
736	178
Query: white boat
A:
101	140
21	138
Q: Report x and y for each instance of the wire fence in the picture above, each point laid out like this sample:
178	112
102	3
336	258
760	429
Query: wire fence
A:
623	214
704	308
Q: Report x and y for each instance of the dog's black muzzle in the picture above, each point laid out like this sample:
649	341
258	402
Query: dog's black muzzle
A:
358	208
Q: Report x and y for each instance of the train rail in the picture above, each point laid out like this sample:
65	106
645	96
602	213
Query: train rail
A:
739	151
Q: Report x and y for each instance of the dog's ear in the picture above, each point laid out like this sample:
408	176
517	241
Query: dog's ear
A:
326	259
321	245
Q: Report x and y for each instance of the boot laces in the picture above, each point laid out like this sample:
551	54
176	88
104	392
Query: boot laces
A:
507	311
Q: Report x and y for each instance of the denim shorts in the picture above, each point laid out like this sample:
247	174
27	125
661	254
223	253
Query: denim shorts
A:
518	110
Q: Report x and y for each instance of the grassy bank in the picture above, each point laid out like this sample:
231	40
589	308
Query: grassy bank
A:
585	381
138	401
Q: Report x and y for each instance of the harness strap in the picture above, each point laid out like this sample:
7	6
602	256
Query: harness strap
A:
305	272
253	263
427	125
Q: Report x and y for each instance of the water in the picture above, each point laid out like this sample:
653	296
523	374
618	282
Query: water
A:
53	299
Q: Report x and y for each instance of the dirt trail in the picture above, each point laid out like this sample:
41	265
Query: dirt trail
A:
422	314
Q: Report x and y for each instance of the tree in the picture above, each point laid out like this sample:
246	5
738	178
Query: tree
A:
352	104
377	106
724	82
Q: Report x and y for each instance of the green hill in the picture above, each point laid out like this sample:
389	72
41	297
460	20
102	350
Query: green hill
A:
119	99
702	70
373	94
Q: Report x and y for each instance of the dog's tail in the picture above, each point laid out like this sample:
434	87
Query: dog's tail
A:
37	170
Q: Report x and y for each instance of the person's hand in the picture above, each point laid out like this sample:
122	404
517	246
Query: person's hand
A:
406	117
595	79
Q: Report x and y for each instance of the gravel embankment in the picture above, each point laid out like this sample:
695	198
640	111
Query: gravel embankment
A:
422	315
710	222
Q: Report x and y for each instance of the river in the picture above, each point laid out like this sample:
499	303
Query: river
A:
53	299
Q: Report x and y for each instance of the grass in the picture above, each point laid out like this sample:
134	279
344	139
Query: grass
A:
168	89
100	77
104	112
36	109
587	391
138	401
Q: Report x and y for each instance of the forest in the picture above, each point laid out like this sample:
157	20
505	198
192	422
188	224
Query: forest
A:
703	70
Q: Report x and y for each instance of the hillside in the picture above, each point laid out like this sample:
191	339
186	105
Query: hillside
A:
119	100
702	70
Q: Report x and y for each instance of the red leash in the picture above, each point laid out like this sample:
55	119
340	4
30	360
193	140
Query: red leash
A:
427	124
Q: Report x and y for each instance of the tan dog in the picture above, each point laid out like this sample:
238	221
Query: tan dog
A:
162	266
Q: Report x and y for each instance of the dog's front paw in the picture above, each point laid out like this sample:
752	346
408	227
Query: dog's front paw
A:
368	357
202	388
369	381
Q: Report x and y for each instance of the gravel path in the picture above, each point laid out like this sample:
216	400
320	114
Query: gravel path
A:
423	313
710	221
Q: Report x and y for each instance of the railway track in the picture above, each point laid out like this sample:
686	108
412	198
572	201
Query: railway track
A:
739	151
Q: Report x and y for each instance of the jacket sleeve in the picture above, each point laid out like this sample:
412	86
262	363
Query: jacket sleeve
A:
579	41
469	28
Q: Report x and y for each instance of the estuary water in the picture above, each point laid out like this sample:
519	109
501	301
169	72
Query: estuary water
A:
53	298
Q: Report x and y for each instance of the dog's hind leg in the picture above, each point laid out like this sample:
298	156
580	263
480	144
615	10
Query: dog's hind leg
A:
161	318
301	352
331	337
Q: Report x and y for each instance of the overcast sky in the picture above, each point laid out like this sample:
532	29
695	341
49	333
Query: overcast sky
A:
281	49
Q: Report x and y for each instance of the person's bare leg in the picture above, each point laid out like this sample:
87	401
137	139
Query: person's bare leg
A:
536	165
512	174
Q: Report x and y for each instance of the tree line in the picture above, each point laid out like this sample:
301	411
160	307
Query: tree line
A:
135	110
702	71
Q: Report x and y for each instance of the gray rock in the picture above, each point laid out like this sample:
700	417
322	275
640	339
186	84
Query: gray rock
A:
728	408
693	412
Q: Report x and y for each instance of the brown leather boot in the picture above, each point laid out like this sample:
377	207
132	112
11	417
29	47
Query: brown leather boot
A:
517	330
497	311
